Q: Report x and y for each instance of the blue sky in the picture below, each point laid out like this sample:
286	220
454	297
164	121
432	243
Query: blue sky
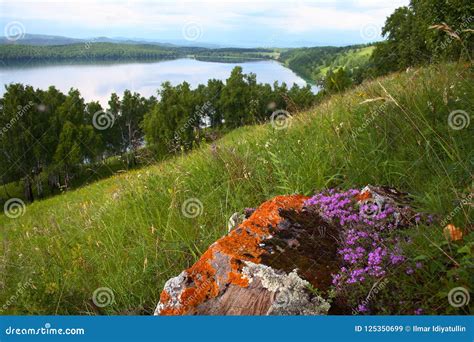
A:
225	22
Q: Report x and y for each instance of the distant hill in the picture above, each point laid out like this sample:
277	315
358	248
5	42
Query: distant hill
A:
41	40
49	40
103	49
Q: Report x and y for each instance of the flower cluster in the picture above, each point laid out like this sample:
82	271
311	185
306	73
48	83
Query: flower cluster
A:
368	249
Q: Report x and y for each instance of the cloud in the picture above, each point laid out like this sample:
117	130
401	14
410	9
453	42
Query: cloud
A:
146	18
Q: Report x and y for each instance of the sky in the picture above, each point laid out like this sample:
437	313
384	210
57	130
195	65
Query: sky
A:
240	23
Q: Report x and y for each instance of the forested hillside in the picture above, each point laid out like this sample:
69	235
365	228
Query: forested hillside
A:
314	63
72	138
97	51
183	117
422	33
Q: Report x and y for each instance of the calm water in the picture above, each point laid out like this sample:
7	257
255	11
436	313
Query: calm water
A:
97	81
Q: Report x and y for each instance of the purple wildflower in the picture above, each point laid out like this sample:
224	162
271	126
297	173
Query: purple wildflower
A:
365	226
396	259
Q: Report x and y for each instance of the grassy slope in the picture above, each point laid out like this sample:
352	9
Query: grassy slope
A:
128	232
351	59
313	63
90	175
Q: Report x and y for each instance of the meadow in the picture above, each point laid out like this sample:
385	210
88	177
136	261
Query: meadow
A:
129	232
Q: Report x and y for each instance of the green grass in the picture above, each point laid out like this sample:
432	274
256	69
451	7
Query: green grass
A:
85	176
313	63
128	232
352	59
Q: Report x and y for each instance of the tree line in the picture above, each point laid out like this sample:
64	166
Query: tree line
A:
424	32
110	52
46	134
93	51
309	61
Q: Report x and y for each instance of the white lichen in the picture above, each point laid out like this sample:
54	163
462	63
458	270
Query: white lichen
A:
291	295
174	287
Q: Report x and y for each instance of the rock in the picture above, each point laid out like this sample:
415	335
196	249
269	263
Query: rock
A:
234	221
259	262
269	262
290	292
386	196
237	218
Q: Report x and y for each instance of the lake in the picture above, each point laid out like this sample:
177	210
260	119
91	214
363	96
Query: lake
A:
97	81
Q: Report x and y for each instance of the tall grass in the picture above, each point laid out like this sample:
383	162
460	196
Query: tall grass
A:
128	232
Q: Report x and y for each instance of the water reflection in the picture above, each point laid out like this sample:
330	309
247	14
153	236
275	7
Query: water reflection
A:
98	81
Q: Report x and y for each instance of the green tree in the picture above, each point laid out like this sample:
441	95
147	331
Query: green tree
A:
79	142
337	81
132	110
301	98
19	136
68	153
161	122
112	136
213	93
424	32
235	100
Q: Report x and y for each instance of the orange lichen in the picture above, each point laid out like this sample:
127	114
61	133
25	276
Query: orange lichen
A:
237	279
241	244
452	232
363	196
170	311
164	297
188	296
